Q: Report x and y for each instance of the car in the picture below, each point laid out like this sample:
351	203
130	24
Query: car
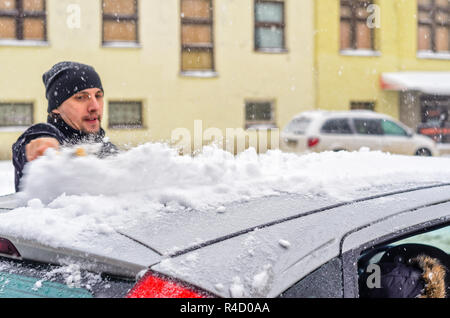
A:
439	131
316	131
303	245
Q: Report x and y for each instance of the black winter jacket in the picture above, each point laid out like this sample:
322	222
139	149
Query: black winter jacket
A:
58	129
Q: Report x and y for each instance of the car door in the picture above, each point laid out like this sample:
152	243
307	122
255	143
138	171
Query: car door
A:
368	246
368	133
396	139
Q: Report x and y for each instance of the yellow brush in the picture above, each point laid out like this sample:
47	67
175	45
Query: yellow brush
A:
80	152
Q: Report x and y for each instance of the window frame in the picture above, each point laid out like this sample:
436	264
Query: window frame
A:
249	124
432	10
350	258
205	47
353	20
333	267
124	125
19	15
125	17
277	25
30	104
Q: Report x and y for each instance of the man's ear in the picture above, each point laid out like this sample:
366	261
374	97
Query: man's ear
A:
55	111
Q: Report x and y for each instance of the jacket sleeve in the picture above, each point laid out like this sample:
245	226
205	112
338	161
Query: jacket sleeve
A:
18	148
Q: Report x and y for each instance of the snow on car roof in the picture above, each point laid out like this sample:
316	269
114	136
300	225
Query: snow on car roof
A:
69	201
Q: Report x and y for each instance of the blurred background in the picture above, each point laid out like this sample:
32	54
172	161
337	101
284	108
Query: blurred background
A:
242	64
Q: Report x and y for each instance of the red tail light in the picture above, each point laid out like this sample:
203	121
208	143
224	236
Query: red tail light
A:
8	248
313	142
154	285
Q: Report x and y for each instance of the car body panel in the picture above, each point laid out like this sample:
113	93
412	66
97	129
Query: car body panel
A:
114	253
241	252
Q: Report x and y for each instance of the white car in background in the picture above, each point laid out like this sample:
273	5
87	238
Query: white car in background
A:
316	131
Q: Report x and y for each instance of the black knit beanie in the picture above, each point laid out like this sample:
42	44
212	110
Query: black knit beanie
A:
65	79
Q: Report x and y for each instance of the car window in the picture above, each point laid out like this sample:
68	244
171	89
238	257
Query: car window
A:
384	270
325	282
392	129
439	238
21	279
298	126
336	126
368	126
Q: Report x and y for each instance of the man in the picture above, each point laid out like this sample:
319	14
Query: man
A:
75	109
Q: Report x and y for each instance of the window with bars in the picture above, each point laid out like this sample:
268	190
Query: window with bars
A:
120	21
23	20
434	25
259	114
125	115
355	33
197	40
269	25
16	114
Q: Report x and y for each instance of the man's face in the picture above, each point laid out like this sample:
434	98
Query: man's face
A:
83	111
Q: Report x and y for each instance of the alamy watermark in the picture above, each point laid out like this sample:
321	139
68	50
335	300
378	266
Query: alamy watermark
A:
374	279
234	140
374	19
73	16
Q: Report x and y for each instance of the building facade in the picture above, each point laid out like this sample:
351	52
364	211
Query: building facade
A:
165	65
191	70
391	56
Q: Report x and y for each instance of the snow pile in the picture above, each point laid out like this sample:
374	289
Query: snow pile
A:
67	199
73	277
156	173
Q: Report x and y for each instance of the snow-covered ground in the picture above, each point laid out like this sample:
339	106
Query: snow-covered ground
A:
65	196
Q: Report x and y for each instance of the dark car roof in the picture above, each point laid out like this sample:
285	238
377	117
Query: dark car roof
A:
320	220
284	252
174	233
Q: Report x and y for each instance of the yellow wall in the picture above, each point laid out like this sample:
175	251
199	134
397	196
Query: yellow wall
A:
342	79
151	73
407	43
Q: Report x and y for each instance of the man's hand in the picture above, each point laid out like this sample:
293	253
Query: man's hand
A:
37	147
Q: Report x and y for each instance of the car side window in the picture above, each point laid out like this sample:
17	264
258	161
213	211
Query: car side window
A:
417	266
336	126
368	126
392	129
325	282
